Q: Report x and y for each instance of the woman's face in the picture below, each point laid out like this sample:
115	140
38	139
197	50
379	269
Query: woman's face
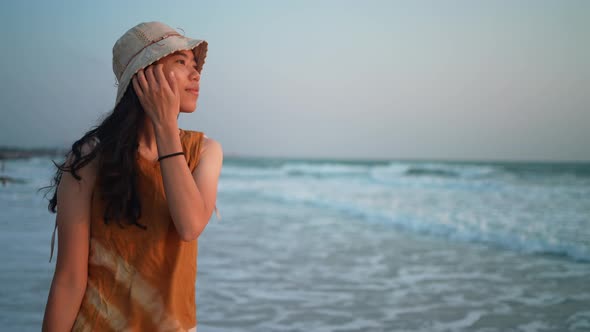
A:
184	66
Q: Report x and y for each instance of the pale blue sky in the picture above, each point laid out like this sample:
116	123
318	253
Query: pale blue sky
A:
334	79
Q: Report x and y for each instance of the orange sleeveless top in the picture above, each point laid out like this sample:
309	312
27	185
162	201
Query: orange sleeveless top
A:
142	280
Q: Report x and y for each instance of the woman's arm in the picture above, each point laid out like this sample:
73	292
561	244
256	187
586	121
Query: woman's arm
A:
73	227
191	197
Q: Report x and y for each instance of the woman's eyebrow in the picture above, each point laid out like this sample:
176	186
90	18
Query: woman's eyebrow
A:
185	56
181	54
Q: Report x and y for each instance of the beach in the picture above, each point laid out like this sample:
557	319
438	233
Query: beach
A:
307	245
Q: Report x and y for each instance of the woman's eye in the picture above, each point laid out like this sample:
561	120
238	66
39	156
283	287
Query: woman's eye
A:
180	61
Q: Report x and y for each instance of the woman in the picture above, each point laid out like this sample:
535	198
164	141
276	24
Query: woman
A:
136	194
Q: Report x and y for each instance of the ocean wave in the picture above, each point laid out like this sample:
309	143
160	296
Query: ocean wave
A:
501	237
395	172
231	171
375	172
325	170
317	170
452	171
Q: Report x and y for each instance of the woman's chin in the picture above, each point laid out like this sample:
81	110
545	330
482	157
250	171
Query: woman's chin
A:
188	109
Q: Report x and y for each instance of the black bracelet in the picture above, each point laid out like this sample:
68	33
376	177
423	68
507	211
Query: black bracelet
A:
170	155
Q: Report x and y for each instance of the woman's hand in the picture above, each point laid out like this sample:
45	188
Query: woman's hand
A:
158	94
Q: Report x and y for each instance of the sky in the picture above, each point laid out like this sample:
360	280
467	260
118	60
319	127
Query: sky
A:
452	80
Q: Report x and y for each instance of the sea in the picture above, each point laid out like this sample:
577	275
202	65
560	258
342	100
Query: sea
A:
336	245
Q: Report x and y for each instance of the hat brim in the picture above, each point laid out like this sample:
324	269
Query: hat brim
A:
158	50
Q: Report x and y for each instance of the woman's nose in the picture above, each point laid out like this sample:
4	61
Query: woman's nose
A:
195	75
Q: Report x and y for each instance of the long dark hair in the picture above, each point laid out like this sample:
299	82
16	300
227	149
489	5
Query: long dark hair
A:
114	142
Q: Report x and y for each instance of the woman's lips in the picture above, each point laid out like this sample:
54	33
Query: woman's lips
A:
193	91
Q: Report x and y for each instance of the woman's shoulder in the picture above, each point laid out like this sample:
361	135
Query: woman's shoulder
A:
202	141
212	151
200	136
210	143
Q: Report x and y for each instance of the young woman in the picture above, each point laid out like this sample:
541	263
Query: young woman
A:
133	196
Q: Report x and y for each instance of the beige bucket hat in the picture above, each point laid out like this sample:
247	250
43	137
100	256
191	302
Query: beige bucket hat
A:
145	44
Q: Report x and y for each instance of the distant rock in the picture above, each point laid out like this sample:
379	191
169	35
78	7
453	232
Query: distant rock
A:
26	153
7	179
